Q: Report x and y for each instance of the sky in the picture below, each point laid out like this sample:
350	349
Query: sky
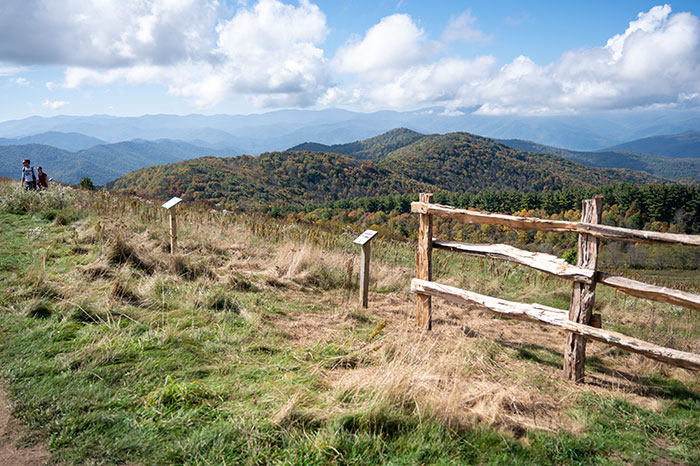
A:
135	57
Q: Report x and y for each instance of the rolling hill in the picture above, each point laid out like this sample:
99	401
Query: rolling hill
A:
454	162
666	167
683	146
101	163
368	149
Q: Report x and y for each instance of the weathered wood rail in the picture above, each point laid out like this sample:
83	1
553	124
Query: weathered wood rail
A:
579	320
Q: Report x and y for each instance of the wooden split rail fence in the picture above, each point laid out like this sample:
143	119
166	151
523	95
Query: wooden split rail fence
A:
579	320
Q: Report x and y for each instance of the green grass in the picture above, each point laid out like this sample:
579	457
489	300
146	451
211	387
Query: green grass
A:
199	373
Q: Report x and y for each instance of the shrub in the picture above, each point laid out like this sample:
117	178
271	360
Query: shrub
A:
570	256
86	183
14	199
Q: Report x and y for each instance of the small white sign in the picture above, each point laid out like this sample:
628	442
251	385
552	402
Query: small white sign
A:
172	203
365	237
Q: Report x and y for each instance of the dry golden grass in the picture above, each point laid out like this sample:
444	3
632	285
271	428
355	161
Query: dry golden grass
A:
471	368
461	374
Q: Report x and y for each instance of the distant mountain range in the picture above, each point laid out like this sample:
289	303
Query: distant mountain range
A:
665	167
669	156
455	162
69	156
71	142
677	146
101	163
257	133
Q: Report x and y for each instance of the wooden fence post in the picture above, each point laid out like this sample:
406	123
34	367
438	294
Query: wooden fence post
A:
583	295
424	266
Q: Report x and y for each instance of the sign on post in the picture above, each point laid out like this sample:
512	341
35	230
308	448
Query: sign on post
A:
364	241
169	206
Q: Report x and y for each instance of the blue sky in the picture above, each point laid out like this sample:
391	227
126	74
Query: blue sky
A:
132	57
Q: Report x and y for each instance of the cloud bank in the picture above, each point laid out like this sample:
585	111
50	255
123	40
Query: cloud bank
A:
272	53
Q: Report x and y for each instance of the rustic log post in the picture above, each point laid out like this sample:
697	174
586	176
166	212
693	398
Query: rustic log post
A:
583	294
173	230
424	266
364	274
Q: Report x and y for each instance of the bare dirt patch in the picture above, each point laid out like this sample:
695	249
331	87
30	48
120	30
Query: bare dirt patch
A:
11	431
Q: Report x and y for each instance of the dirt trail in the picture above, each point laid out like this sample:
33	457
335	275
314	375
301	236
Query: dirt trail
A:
10	432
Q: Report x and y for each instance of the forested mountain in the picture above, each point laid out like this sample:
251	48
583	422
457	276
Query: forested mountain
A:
455	162
284	178
369	149
464	162
683	146
666	167
101	163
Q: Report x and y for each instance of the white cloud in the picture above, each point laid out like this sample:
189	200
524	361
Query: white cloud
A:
54	104
10	70
439	83
268	52
22	82
646	23
462	28
656	61
208	51
105	33
387	49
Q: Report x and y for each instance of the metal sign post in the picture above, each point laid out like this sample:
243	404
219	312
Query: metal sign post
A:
170	207
364	240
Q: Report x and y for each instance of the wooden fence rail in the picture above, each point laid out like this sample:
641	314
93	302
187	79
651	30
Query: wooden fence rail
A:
532	223
579	318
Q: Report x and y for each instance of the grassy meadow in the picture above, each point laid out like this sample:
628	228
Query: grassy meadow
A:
248	347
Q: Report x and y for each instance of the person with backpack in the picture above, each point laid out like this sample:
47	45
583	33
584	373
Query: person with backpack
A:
42	181
28	175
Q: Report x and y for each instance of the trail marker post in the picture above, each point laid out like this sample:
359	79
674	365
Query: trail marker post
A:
170	207
364	241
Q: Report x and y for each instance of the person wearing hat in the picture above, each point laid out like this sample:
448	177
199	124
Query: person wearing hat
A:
28	175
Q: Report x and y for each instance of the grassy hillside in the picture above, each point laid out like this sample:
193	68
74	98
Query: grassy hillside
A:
249	348
454	162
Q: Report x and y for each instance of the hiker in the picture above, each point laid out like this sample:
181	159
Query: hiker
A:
28	176
42	181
